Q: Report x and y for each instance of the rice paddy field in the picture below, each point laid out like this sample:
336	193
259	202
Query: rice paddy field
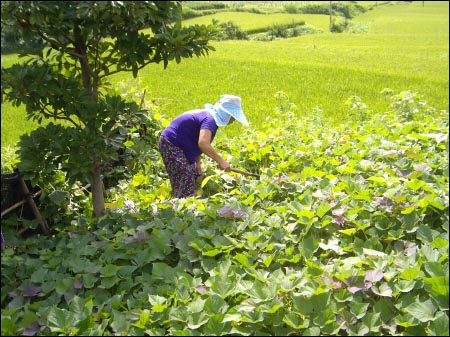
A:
399	46
405	48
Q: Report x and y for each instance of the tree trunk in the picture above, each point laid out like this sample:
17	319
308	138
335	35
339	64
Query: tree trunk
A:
91	86
98	199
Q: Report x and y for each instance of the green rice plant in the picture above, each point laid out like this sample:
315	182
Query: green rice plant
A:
410	19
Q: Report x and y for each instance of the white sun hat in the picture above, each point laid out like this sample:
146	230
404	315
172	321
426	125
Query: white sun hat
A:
228	106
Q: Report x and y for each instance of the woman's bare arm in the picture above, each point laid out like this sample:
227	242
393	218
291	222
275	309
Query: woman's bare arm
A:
204	143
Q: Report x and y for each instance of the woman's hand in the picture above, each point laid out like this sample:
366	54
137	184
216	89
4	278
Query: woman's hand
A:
224	165
198	166
200	170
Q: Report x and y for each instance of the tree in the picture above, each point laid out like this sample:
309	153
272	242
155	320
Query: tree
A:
88	41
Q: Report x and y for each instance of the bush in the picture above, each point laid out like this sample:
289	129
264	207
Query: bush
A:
347	10
253	10
189	13
279	30
283	31
315	9
338	26
202	5
232	31
292	9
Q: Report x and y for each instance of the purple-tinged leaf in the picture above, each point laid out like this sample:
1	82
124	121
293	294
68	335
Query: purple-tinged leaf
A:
32	329
99	244
340	220
374	275
78	284
231	213
402	173
140	236
384	201
409	207
338	285
202	290
338	211
332	282
15	293
411	248
31	291
353	290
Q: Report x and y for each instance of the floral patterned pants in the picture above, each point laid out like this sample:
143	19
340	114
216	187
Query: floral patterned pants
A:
182	174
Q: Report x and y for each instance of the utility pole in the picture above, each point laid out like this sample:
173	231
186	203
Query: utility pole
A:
331	18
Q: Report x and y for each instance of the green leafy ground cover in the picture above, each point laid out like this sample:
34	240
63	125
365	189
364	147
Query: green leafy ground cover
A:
346	233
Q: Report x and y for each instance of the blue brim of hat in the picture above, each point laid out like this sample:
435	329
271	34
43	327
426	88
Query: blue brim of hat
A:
234	111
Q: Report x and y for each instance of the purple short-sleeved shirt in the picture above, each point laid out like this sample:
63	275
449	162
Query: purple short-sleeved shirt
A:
184	130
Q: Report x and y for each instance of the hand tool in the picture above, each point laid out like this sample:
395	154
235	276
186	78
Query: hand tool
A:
233	169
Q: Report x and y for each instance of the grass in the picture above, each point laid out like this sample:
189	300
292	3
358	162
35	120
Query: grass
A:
405	48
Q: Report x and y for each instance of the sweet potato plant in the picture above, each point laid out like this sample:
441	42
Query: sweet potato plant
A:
346	233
